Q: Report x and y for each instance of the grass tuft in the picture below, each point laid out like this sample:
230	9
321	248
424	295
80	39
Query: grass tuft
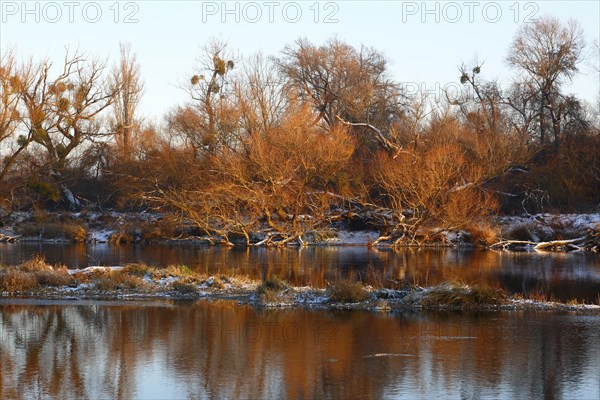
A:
70	231
184	287
272	290
118	280
14	280
483	235
176	271
463	296
137	269
348	292
36	264
56	277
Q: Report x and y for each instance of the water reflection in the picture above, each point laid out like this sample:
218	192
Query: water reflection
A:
223	350
562	276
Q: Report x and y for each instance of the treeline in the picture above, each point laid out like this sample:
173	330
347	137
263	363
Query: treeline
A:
317	135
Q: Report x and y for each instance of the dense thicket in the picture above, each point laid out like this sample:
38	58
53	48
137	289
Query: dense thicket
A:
318	135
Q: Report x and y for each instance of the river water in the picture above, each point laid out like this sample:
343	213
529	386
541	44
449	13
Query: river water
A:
560	276
221	349
224	350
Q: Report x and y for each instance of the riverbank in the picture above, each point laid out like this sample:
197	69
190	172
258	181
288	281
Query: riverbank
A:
523	233
35	279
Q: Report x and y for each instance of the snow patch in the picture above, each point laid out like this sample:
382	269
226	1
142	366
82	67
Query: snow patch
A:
353	238
91	269
389	355
100	236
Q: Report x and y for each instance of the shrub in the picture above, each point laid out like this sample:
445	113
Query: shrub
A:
348	292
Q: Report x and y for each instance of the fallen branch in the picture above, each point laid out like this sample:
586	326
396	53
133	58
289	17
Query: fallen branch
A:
559	245
8	239
508	244
552	245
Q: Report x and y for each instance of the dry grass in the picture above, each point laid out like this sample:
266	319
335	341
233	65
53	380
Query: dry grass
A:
57	277
176	271
462	296
270	296
145	231
273	283
119	280
121	238
33	274
348	292
70	231
382	305
215	282
537	295
14	280
36	264
184	287
483	235
138	269
272	290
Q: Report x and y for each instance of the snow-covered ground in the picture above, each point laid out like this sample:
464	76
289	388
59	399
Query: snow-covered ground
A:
544	227
100	235
101	226
352	238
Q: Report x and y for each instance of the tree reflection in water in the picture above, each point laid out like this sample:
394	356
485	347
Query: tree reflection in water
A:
224	350
561	276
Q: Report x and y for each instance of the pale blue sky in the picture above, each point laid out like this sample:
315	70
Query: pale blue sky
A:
424	41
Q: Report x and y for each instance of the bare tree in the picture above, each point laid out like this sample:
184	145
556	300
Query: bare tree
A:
127	79
481	104
548	53
261	95
14	139
345	86
62	113
522	100
209	121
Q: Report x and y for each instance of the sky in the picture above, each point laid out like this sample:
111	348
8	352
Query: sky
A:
424	41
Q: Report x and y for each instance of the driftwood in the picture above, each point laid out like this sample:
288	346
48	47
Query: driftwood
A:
590	242
8	239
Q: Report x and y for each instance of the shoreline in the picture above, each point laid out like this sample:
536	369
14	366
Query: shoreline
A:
142	284
248	299
521	233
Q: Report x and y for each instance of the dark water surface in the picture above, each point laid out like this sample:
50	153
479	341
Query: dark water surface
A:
560	276
222	350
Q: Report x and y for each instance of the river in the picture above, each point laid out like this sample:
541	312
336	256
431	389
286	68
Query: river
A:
75	349
560	276
222	350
